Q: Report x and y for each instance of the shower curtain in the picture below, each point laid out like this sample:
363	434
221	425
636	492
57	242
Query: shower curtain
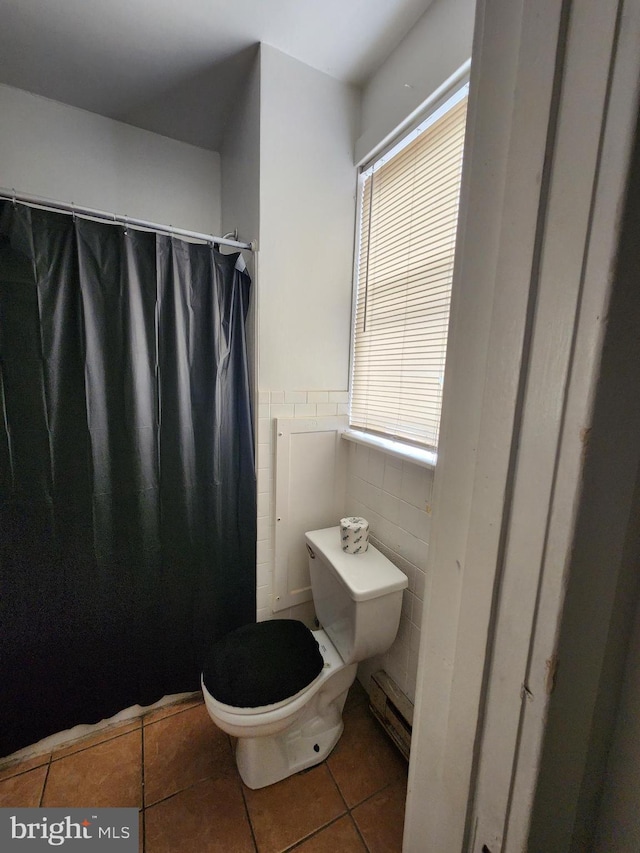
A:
127	481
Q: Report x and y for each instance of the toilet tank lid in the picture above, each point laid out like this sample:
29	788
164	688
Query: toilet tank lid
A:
367	575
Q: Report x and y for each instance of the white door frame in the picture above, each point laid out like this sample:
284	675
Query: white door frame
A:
552	109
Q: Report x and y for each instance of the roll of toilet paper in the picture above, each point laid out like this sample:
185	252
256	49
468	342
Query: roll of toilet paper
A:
354	533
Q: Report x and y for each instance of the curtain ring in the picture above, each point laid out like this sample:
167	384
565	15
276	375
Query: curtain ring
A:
73	212
13	197
126	226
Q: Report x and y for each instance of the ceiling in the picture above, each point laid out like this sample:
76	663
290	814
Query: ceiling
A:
175	67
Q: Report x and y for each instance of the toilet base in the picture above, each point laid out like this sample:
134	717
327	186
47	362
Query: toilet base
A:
265	760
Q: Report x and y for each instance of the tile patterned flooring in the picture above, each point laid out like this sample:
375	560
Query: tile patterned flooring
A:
178	769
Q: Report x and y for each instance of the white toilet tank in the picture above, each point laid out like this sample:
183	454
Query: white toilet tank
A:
358	597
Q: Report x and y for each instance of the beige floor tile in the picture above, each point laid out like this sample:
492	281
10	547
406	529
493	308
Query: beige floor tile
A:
289	811
16	767
170	710
183	749
340	837
94	740
209	817
356	697
381	819
364	760
102	776
23	791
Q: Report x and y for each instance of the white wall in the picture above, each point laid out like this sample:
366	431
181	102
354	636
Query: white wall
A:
307	206
241	163
307	190
394	496
434	49
241	190
71	155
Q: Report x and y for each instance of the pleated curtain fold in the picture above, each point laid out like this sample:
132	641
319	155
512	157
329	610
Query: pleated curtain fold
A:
127	479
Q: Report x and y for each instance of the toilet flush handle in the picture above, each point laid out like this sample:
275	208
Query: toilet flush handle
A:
310	550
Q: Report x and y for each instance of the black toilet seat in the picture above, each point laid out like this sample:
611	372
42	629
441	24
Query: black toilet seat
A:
262	663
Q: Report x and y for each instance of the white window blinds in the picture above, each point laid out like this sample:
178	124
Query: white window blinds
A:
409	215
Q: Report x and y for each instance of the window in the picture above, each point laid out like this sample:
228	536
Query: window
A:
408	217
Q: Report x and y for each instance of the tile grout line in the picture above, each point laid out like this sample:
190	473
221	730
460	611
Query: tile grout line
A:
89	746
44	784
360	835
349	809
315	832
374	794
242	794
63	746
366	800
181	791
187	787
22	772
335	782
192	704
142	826
244	801
329	823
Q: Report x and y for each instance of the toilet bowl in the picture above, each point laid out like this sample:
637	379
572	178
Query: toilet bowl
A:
277	740
358	600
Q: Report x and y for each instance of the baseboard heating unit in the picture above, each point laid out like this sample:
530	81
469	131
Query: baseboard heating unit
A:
392	709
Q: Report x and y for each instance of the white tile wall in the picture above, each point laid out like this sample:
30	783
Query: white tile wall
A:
282	404
394	496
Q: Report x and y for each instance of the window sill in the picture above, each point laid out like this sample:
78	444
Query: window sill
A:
425	458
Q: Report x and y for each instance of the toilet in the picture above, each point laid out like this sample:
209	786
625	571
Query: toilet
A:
280	688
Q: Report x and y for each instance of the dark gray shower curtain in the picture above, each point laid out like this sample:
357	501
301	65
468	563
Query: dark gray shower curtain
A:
127	481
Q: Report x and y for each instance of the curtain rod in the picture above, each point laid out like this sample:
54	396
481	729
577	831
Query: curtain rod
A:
12	195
